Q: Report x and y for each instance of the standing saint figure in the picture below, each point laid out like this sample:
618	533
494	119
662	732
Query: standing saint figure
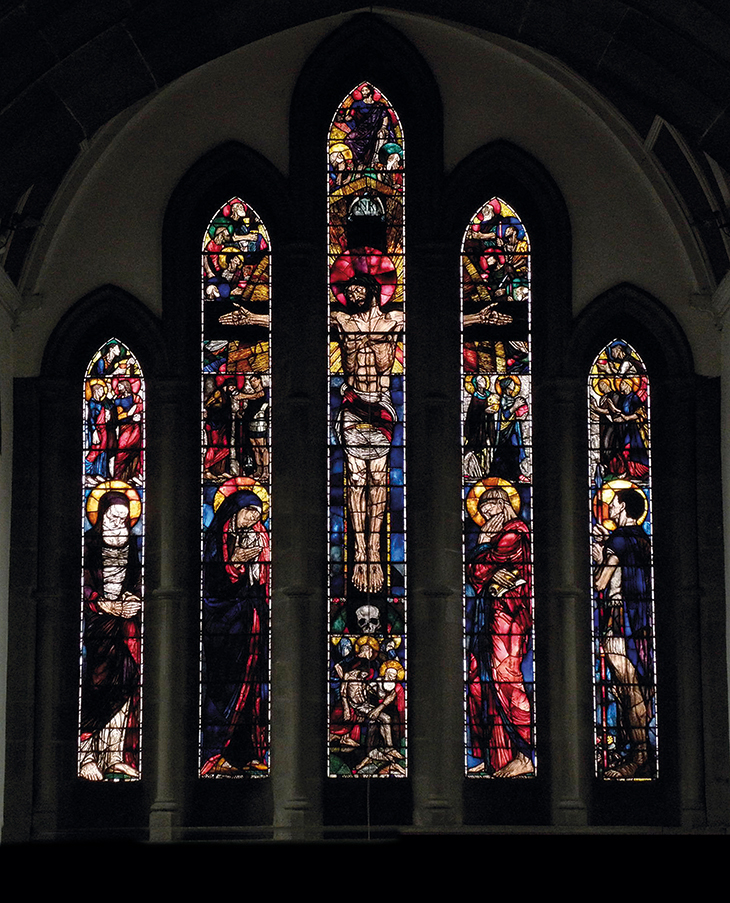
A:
370	126
365	421
100	428
110	686
128	458
237	557
622	585
500	573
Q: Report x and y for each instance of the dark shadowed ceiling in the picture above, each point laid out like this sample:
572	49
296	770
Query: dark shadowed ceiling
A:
68	66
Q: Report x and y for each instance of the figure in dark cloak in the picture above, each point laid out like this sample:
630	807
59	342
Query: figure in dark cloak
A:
510	458
110	685
235	638
217	417
480	430
371	127
622	429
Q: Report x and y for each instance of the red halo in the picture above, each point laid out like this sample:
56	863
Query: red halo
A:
357	263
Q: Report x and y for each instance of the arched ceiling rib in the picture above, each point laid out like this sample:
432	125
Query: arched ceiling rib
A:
68	66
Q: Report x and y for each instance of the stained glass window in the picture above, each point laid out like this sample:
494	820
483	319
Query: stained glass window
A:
236	507
367	648
622	570
113	566
497	495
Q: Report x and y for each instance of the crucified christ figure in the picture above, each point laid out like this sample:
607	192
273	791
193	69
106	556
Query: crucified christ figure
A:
368	338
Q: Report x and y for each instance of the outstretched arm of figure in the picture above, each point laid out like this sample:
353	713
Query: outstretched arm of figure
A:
243	317
488	315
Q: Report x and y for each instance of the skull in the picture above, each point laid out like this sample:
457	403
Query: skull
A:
368	619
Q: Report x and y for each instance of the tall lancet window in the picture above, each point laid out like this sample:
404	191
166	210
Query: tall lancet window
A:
367	617
236	511
622	571
497	495
113	567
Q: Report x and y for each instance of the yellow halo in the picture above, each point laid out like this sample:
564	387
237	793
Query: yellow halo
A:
393	663
469	385
98	492
237	484
605	496
472	500
603	378
229	252
633	381
342	149
90	383
516	384
366	641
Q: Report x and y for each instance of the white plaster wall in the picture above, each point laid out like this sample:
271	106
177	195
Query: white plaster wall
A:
106	225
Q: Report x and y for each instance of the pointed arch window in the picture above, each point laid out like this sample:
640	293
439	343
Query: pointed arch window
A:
110	698
367	617
236	500
624	654
497	494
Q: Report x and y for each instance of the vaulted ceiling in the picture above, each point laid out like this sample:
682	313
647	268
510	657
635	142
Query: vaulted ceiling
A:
68	66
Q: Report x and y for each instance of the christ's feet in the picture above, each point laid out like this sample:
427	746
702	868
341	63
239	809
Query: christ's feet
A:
367	577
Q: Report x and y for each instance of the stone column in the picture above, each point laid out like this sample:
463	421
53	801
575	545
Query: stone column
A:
298	541
678	582
563	671
171	679
58	604
433	455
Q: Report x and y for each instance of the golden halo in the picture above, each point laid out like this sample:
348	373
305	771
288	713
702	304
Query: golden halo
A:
472	500
237	484
605	496
366	641
603	378
470	382
393	663
90	383
633	381
342	149
224	254
516	384
97	493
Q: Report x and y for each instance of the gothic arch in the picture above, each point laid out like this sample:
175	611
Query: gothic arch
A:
49	575
677	406
293	209
226	171
107	311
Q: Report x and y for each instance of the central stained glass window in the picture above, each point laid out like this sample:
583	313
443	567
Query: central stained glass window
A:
367	617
